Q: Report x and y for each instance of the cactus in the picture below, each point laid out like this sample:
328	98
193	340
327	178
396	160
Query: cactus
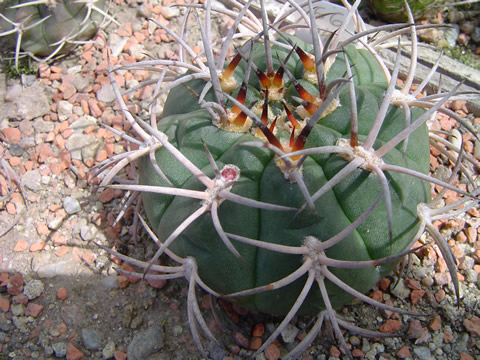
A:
292	179
395	11
46	28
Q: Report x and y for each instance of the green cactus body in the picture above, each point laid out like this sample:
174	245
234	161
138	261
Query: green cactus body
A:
65	21
188	127
394	11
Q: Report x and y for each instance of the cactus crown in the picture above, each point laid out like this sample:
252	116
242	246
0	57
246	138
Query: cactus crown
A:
273	181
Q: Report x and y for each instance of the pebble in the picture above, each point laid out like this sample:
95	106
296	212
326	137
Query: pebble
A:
32	103
88	232
290	333
423	352
109	350
60	349
92	339
106	93
146	342
32	180
64	110
71	205
33	289
110	282
399	289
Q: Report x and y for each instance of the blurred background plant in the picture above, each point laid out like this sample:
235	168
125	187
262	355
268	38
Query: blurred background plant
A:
46	29
459	40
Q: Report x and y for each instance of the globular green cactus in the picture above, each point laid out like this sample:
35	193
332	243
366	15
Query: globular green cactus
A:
46	28
396	11
291	180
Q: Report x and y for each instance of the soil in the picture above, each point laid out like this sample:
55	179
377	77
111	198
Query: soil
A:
60	296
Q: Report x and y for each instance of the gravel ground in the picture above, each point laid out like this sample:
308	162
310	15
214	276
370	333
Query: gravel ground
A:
59	293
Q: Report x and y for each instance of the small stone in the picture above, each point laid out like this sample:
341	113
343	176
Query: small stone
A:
33	309
106	94
88	232
472	325
109	350
107	195
4	304
241	340
33	289
416	295
436	323
289	333
55	223
255	343
400	290
92	339
71	205
404	352
272	352
423	352
73	353
334	351
390	326
258	330
62	294
21	245
17	309
119	355
60	349
32	180
466	356
38	246
417	331
147	342
64	110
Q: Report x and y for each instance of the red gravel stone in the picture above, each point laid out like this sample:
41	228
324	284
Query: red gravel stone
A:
376	295
20	299
156	283
334	351
58	239
107	195
122	281
384	284
416	295
272	352
465	356
412	284
417	331
404	352
73	353
258	330
4	304
357	353
241	340
21	245
132	279
390	326
62	294
33	309
436	323
447	337
42	229
13	134
472	325
440	295
38	246
119	355
255	343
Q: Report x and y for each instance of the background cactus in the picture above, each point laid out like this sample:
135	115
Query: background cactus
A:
48	28
290	180
394	11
